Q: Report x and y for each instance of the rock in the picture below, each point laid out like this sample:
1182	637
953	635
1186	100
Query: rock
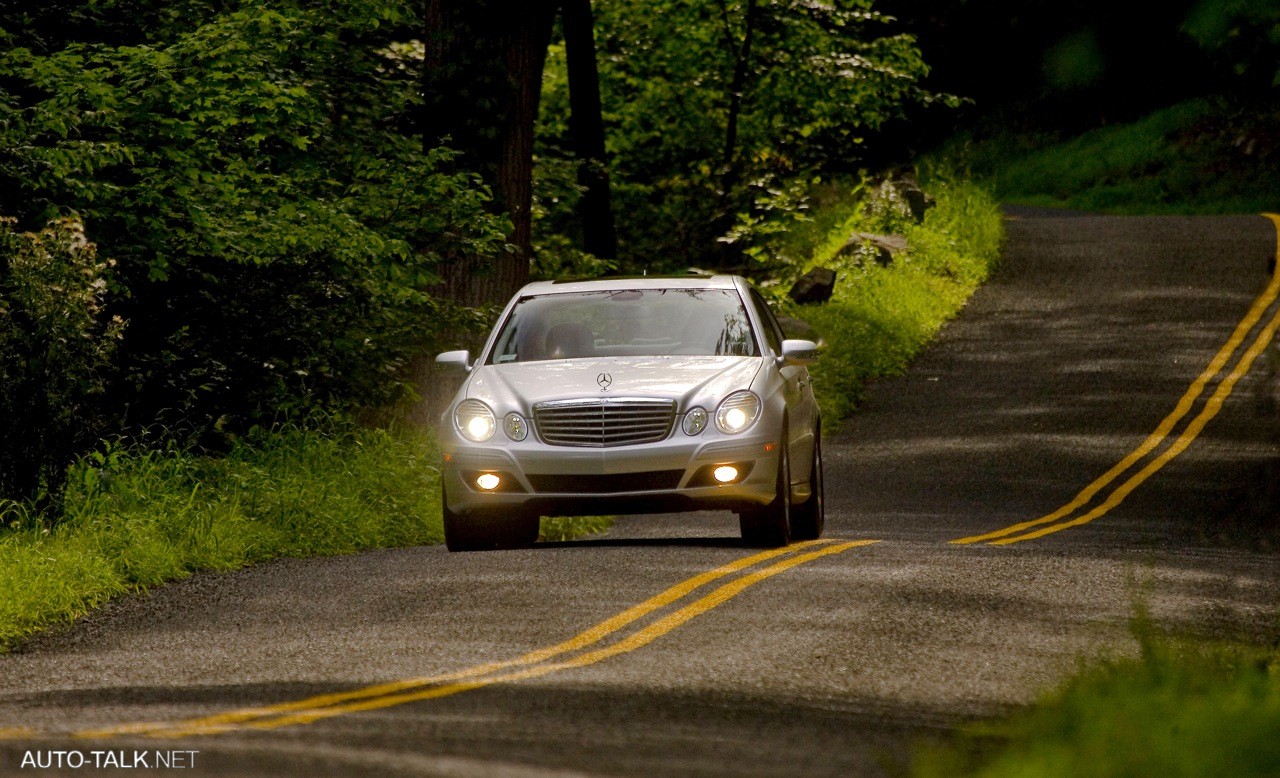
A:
883	247
917	201
815	286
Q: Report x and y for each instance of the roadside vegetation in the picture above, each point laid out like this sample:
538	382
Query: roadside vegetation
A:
226	228
1182	707
1199	156
139	514
882	315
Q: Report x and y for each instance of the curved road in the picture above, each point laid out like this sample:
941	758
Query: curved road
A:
666	648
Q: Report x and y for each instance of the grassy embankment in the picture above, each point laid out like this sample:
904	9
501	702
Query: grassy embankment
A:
881	317
1183	707
135	518
1194	157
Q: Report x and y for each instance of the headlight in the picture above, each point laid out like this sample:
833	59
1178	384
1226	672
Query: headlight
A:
474	420
695	421
738	411
515	426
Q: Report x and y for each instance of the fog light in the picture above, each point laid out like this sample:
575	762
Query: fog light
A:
488	481
726	474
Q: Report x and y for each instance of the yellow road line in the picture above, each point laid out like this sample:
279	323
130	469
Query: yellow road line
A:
1197	425
1166	426
582	640
632	642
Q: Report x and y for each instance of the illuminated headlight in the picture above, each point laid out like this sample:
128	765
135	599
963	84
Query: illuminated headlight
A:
695	421
474	420
738	411
515	426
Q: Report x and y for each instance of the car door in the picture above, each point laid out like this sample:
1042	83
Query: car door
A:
796	391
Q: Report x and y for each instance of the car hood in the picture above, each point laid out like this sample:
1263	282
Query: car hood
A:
686	379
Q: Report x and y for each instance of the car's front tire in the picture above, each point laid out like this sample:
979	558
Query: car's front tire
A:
770	526
809	517
482	530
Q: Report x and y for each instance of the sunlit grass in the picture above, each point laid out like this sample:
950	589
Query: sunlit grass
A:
560	528
136	517
1181	708
880	318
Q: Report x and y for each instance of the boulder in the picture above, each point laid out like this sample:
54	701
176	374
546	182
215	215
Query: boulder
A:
815	286
883	247
915	198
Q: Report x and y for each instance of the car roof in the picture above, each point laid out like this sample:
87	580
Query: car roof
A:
610	283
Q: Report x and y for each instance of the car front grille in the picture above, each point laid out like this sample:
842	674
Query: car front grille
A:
603	423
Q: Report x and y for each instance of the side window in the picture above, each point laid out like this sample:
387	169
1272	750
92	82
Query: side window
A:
772	332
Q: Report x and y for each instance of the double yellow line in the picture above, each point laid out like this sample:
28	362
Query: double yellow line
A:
575	652
1058	520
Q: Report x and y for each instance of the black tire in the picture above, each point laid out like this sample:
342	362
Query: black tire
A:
770	526
809	517
481	530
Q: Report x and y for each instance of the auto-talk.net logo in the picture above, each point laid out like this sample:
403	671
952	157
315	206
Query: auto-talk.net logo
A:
605	380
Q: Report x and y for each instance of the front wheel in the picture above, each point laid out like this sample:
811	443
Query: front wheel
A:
809	517
770	526
481	530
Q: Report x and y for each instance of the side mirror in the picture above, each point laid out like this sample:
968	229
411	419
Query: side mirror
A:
799	352
455	360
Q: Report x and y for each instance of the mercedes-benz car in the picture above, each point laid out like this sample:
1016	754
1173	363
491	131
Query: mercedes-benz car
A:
633	395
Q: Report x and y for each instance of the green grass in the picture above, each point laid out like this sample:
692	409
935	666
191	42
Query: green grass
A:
135	518
1182	708
880	318
1194	157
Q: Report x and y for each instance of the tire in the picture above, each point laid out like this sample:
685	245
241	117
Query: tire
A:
481	530
809	517
770	526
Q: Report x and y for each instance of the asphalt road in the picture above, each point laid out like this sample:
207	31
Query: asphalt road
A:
830	659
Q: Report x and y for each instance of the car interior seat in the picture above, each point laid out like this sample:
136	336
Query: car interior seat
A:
571	340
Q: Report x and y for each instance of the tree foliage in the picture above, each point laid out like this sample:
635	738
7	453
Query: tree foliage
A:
56	343
713	105
254	170
1244	35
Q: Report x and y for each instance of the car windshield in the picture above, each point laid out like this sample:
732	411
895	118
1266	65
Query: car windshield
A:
624	323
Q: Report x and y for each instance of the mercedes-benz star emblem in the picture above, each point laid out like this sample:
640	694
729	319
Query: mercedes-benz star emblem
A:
604	379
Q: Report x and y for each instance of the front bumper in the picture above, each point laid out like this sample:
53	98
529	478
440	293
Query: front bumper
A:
671	475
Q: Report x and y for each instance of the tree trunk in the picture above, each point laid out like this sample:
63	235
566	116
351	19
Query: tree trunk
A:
741	70
482	82
586	130
729	173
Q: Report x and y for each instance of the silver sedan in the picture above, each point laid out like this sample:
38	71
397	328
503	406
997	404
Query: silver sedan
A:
633	395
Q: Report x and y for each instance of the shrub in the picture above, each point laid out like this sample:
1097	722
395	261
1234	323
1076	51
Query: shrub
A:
55	346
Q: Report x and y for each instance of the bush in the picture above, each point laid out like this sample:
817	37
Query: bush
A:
56	343
255	171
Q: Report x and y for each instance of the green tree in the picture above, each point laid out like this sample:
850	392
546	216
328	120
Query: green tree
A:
483	82
1242	34
711	107
256	171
